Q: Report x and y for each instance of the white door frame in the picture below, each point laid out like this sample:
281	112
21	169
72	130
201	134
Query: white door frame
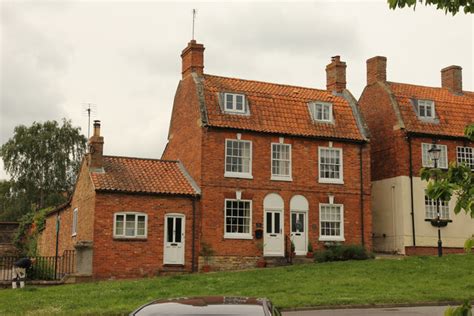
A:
273	202
182	256
305	213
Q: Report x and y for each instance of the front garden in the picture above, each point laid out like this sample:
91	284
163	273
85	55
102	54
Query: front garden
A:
409	280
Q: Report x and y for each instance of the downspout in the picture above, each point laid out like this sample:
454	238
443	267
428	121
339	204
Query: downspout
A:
193	251
411	190
362	228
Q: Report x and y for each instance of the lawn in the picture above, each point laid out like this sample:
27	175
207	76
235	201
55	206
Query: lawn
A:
414	279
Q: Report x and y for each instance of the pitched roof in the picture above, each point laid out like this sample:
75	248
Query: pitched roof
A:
138	175
277	108
453	112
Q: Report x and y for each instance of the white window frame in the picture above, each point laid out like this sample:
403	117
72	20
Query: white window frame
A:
237	235
430	208
74	221
465	156
341	227
425	157
280	177
425	104
234	103
313	106
135	236
233	174
339	180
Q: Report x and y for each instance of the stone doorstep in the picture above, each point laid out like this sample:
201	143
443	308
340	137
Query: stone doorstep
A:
173	270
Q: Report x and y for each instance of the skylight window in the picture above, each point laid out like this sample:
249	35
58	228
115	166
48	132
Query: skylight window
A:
321	111
426	109
234	103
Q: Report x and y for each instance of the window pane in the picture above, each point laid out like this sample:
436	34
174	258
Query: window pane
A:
179	227
293	222
170	229
130	225
229	102
119	225
277	223
330	163
269	223
237	216
141	225
330	218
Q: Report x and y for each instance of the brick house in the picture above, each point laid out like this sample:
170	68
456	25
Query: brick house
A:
404	121
125	215
274	162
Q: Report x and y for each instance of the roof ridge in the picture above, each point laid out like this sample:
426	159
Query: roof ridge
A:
141	158
272	83
423	86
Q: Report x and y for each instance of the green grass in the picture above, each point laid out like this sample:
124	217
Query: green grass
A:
414	279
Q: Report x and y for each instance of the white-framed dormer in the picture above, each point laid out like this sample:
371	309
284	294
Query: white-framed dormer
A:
281	163
321	112
234	103
425	109
330	165
238	158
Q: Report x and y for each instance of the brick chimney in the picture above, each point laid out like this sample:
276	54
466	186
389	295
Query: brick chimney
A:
376	69
193	59
96	148
336	75
451	78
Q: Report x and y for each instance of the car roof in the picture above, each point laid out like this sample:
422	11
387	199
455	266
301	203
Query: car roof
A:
206	305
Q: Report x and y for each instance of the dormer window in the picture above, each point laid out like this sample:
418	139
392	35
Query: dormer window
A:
426	109
321	111
234	103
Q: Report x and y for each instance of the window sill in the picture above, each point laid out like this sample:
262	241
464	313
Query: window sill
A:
74	235
333	238
238	175
245	237
330	181
130	238
279	178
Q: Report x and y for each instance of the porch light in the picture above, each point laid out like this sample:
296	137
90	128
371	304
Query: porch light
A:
434	152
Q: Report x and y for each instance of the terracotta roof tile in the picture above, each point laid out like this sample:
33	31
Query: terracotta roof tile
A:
277	108
137	175
454	112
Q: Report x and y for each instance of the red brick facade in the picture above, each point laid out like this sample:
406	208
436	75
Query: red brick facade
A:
201	148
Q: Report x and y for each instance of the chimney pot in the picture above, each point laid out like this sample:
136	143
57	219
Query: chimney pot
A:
336	75
96	128
376	69
192	59
451	78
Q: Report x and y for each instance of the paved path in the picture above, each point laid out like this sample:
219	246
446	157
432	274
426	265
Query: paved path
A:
387	311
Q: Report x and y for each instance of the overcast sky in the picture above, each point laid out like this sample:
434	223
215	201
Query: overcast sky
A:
124	56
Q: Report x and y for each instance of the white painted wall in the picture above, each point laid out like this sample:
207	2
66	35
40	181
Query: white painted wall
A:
392	219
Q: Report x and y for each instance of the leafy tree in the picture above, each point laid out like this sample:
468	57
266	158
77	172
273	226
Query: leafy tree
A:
451	6
43	160
12	204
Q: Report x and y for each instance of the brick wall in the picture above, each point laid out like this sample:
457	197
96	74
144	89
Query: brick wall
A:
215	188
431	251
184	139
124	258
82	199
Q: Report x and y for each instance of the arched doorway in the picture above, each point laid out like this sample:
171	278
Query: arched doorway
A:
299	207
273	237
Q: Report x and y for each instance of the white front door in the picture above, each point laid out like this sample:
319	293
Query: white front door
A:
273	238
174	239
299	232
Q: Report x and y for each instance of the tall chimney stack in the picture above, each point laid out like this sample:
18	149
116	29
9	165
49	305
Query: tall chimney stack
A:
96	148
451	78
192	59
376	69
336	75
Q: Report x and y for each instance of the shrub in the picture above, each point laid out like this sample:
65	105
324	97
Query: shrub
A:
342	253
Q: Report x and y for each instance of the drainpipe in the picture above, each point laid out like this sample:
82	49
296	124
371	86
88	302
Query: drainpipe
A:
362	228
193	260
58	223
411	190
